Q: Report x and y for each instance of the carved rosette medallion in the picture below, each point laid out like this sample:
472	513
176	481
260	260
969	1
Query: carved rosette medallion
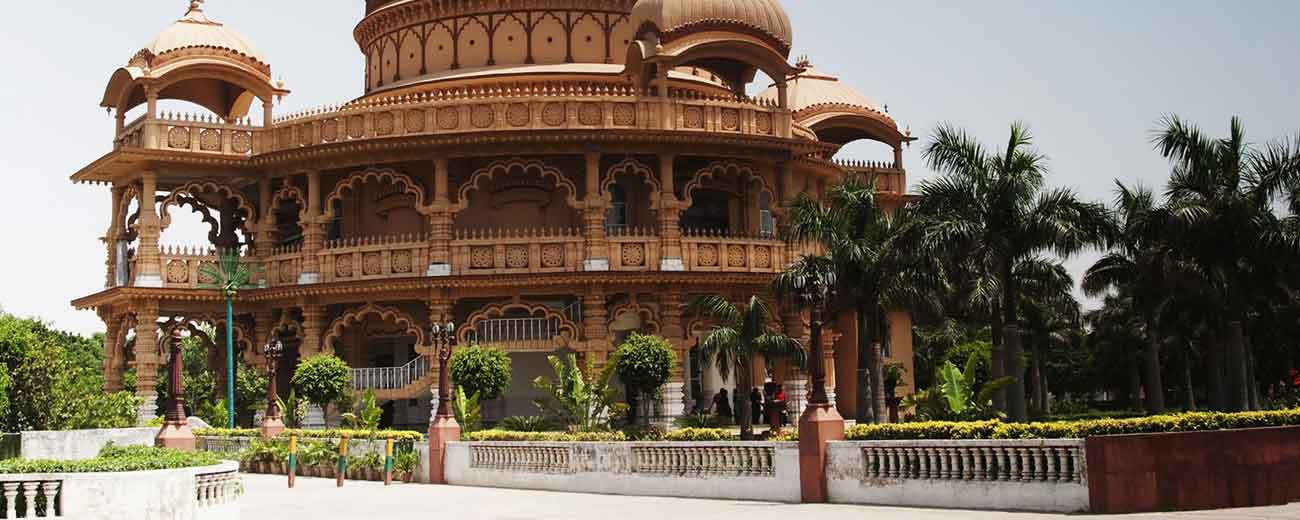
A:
517	115
553	114
625	114
178	137
241	142
210	140
287	274
762	257
448	118
590	114
481	257
517	257
384	123
764	123
178	271
414	122
372	264
401	262
304	134
552	255
707	255
329	130
343	266
736	256
730	119
356	126
483	116
693	117
633	255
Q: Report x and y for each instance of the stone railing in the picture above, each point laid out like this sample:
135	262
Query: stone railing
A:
1037	475
390	378
757	471
283	266
737	253
368	258
632	249
517	251
566	105
204	493
180	265
201	133
890	178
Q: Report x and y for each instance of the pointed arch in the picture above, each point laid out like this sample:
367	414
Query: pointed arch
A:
356	315
504	167
402	180
194	189
718	169
634	168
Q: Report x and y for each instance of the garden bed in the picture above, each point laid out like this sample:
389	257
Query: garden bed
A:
993	429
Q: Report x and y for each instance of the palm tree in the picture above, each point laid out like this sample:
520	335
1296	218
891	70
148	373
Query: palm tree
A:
1222	190
1143	264
874	272
810	283
1113	332
229	275
994	207
1051	318
739	335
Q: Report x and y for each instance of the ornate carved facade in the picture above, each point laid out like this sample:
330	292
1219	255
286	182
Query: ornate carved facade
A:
550	174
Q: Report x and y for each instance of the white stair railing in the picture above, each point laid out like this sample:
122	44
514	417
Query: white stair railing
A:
390	378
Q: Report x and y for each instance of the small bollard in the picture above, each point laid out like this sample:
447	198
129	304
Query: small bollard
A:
343	461
293	458
388	462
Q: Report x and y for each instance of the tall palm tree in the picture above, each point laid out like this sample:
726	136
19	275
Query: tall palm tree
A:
1144	264
1051	318
229	275
995	206
739	335
1222	190
875	272
1113	332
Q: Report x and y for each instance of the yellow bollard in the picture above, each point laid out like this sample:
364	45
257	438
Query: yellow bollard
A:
293	458
343	461
388	462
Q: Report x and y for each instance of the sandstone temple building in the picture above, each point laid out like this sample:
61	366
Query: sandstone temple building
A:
549	174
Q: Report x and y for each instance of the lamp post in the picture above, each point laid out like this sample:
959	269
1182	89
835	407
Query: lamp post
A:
443	428
272	424
175	432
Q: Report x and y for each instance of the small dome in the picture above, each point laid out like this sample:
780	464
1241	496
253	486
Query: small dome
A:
195	30
813	88
766	18
837	112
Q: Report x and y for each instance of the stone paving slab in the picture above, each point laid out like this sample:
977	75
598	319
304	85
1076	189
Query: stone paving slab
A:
268	498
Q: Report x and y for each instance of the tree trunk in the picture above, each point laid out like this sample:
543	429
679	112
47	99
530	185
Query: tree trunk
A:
1236	370
1046	398
1134	382
1011	339
998	358
862	407
1036	377
1151	366
633	402
1252	389
1190	398
879	409
741	398
1214	365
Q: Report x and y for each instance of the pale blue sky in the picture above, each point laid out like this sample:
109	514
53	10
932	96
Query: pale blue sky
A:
1090	77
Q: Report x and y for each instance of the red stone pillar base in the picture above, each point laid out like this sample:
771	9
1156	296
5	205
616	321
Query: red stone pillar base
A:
176	436
271	427
819	424
442	430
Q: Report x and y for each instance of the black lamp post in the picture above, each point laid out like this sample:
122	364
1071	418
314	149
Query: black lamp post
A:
444	341
272	424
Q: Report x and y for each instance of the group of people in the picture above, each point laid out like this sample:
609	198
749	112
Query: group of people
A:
771	399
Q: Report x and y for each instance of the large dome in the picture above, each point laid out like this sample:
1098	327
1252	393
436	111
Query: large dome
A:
765	18
196	31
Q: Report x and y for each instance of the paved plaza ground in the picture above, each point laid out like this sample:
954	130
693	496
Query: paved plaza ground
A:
318	499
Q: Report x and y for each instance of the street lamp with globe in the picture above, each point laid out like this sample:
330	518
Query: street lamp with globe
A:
272	423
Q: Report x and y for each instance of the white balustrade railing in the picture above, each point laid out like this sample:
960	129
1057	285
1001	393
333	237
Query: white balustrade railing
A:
998	460
31	499
391	378
510	330
526	459
737	461
216	489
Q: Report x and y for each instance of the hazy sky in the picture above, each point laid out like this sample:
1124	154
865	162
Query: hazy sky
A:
1090	77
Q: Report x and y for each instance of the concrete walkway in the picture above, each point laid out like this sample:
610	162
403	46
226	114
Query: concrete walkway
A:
317	499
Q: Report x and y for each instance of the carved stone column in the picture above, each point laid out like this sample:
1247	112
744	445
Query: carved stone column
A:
111	237
677	395
593	217
440	219
313	230
263	320
148	271
265	238
595	320
313	323
146	358
670	217
113	357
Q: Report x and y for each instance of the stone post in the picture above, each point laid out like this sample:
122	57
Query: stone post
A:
111	237
593	217
819	424
443	428
670	215
112	356
313	230
440	222
149	274
146	358
265	240
313	322
595	323
677	397
175	432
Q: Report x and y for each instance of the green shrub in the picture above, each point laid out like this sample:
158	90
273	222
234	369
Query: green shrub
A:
702	420
367	415
643	364
466	409
525	424
701	435
1180	422
323	380
116	459
482	371
508	436
396	435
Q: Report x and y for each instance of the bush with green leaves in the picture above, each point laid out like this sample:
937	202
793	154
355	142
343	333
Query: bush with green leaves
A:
701	435
483	371
323	380
574	400
116	459
644	364
992	429
367	414
507	436
518	423
212	412
701	420
464	406
956	397
293	409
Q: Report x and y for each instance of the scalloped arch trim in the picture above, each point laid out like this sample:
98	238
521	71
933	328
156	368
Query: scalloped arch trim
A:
725	168
407	184
355	315
531	166
195	188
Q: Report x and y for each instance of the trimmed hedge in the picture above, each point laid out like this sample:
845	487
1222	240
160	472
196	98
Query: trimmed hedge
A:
116	459
506	436
396	435
1181	422
701	435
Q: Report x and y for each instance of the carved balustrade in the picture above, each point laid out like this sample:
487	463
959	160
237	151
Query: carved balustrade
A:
890	178
198	133
633	249
517	251
30	498
284	265
214	489
997	460
367	258
709	251
181	265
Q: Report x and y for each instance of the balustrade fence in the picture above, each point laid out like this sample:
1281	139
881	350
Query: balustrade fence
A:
391	378
214	489
1045	462
31	499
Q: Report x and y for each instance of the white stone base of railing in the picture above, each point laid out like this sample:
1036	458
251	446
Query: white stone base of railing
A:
1004	475
308	278
674	395
595	264
732	471
81	444
315	417
672	265
207	493
438	270
148	280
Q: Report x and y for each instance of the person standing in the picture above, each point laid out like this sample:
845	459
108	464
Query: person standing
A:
722	404
756	405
